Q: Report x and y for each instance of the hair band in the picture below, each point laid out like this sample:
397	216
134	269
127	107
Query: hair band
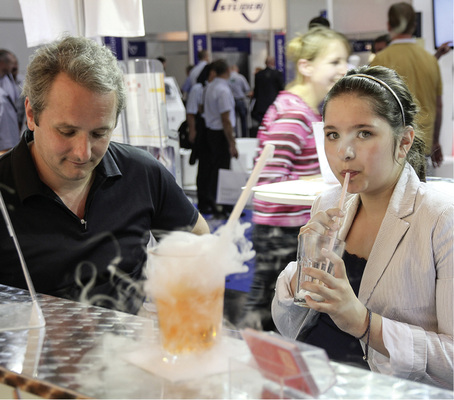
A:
387	87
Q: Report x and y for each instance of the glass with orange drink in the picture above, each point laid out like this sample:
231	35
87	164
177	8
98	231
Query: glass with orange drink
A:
187	287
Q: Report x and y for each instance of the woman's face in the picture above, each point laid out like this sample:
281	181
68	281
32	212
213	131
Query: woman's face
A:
360	142
329	66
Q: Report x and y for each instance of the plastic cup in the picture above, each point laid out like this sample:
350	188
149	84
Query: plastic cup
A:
309	255
189	310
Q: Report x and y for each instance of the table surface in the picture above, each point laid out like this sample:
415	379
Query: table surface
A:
304	191
80	354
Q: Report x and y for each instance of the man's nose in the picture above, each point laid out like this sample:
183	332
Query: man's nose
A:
82	147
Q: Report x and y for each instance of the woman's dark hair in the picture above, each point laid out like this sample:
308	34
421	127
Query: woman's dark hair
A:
380	86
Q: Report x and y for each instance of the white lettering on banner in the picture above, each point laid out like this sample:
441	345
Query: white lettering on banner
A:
280	51
238	14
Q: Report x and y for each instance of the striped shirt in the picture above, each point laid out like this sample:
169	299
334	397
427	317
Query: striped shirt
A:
288	126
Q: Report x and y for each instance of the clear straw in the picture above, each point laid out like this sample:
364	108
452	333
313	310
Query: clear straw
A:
267	153
341	206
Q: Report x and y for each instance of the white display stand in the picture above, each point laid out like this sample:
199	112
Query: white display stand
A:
145	123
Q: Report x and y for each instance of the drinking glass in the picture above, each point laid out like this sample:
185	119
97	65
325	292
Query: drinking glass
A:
309	255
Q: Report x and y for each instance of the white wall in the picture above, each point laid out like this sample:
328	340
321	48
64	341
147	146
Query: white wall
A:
164	15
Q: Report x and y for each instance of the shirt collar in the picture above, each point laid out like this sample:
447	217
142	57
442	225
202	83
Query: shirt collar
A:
403	40
26	176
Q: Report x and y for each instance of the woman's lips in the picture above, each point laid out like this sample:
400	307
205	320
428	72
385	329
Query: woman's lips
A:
352	173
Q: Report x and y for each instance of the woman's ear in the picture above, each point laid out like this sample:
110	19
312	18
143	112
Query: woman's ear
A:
406	141
305	67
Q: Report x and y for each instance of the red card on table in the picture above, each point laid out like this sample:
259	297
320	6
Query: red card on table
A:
280	361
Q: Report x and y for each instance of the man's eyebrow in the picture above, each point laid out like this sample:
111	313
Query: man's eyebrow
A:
65	125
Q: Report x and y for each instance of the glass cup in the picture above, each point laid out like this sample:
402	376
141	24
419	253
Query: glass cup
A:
309	255
189	307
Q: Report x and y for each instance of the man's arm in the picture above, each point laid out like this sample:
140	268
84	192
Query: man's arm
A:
443	49
228	132
201	227
436	153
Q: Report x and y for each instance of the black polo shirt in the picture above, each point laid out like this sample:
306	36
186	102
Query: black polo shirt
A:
132	194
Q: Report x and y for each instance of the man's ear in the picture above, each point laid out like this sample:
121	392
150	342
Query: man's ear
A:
406	141
30	117
305	67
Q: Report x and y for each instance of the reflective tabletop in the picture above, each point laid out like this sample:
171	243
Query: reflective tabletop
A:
83	353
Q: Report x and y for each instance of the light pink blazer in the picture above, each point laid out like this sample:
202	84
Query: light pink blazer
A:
408	279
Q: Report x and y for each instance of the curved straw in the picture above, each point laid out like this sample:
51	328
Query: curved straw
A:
267	153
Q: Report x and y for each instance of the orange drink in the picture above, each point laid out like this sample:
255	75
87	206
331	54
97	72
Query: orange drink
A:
186	281
190	320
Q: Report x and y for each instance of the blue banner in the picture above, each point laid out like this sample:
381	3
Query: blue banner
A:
231	45
279	51
115	45
199	43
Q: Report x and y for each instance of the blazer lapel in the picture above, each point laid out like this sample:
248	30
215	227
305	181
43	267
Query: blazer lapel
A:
392	230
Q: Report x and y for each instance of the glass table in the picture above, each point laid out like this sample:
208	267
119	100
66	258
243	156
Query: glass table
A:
81	354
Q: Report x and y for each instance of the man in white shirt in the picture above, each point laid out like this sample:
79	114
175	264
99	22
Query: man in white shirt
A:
219	112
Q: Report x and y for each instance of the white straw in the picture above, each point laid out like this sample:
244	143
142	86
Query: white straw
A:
344	190
267	153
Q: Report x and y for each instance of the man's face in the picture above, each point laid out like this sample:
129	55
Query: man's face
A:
73	133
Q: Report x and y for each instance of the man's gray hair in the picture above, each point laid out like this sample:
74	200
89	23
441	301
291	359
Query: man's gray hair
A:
83	60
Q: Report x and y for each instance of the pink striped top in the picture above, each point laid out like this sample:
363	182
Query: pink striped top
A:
288	126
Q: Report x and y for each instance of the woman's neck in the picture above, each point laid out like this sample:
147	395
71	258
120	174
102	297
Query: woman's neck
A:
307	94
375	204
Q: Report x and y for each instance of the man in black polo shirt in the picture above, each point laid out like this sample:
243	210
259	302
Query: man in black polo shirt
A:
82	206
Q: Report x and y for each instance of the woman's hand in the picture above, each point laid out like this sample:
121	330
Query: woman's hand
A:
324	222
341	303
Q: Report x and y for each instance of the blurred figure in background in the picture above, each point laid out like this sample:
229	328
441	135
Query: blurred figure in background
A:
9	96
421	72
197	137
240	90
380	43
20	103
320	58
203	57
267	84
186	87
219	112
319	21
163	61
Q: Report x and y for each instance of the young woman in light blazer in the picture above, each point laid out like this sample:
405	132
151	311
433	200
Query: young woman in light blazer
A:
391	296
